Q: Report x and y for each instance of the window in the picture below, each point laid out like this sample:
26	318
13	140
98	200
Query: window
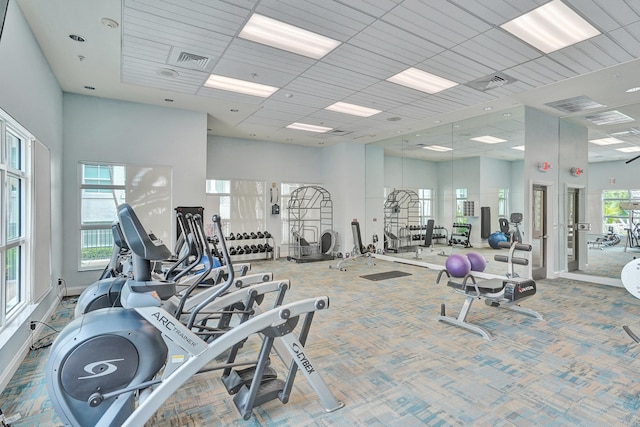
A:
503	202
461	197
103	187
240	204
102	190
14	195
612	214
425	200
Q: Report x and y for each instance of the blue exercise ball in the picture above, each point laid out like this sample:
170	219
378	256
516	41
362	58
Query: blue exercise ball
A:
496	238
458	265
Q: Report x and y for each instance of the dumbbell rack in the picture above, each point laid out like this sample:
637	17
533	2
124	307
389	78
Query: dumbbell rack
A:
418	232
440	232
460	234
245	245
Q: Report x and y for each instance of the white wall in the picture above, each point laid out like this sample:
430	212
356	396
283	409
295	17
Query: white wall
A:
541	142
271	162
30	93
344	177
375	173
104	130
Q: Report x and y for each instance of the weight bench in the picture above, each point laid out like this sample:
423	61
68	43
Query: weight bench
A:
358	248
505	293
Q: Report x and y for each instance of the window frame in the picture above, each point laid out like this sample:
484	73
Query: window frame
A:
20	240
97	263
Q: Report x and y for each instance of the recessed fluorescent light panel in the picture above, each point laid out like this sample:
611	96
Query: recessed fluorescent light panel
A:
629	149
240	86
271	32
606	141
437	148
609	118
421	80
551	27
354	110
488	139
308	128
518	147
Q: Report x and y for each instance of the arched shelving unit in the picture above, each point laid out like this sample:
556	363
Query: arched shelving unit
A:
310	216
401	215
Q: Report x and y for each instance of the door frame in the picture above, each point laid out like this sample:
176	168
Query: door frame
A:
552	226
580	242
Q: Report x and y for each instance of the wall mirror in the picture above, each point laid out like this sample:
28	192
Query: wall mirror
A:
455	169
481	159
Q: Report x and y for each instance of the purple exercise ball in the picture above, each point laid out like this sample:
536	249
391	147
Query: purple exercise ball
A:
458	265
478	263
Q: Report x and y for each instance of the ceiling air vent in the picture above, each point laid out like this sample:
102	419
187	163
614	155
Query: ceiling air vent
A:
575	104
630	132
491	81
338	132
335	132
191	60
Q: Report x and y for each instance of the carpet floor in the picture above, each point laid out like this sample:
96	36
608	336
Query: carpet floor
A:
381	352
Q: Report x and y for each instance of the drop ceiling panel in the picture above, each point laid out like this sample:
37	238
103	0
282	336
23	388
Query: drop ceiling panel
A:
319	89
496	49
414	112
500	11
606	15
267	123
157	82
438	104
229	96
613	49
629	38
333	119
248	52
192	78
456	67
221	17
253	72
574	60
395	43
541	71
368	100
328	18
338	76
289	106
375	8
296	99
287	117
363	61
464	95
591	50
440	22
165	30
393	92
151	50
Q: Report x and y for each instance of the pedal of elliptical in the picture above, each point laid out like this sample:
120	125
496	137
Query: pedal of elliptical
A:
268	391
242	377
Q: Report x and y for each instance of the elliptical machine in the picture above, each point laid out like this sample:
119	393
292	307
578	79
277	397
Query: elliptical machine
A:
105	292
116	367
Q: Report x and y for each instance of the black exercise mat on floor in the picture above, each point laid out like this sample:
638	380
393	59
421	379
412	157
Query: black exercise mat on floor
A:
385	275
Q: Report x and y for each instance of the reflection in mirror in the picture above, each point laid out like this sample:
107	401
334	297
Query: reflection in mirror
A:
611	190
466	176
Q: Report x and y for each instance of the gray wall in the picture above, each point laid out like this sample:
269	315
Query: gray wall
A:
104	130
30	93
